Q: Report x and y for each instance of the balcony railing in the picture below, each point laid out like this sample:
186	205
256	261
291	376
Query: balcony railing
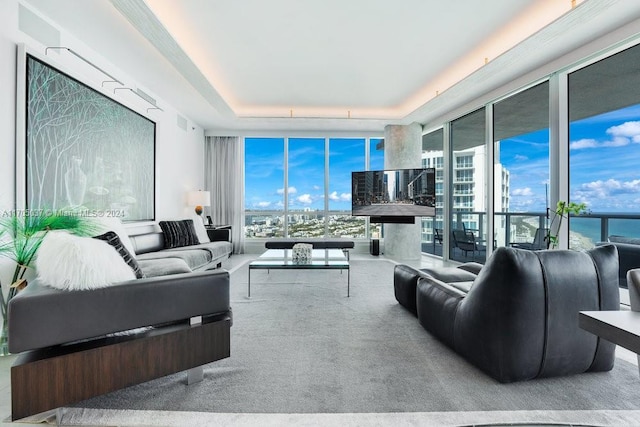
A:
511	227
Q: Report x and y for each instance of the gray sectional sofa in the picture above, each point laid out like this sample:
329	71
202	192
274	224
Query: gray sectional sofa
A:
176	318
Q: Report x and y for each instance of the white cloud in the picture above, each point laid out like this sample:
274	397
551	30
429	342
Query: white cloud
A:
621	135
316	187
603	189
632	186
520	157
583	143
617	141
262	204
630	130
292	190
344	197
305	199
522	192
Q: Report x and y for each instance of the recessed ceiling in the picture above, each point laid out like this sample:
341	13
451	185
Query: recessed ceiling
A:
327	57
302	65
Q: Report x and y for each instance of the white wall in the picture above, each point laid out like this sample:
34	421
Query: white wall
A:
179	153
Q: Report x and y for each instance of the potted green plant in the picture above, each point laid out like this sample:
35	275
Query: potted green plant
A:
21	234
563	209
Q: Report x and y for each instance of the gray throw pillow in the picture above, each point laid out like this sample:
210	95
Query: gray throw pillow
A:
179	233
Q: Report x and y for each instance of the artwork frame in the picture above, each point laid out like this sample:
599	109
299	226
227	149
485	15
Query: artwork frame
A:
80	150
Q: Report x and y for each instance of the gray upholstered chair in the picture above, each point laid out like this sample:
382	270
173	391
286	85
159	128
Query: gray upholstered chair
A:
517	319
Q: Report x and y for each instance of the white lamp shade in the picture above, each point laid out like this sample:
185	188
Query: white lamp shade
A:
198	198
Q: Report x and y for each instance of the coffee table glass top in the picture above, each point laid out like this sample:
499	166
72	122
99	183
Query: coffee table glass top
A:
282	258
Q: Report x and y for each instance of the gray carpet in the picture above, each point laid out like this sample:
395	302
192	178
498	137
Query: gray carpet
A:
299	345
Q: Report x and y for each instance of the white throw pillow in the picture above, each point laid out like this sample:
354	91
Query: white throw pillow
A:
198	224
70	262
105	224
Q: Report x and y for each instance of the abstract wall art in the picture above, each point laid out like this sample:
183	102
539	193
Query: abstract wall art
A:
84	151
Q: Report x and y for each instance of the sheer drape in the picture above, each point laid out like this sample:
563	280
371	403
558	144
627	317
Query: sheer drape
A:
224	178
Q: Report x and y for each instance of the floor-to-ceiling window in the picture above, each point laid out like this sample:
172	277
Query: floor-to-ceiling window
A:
301	187
604	148
521	168
264	187
432	234
345	156
468	187
306	171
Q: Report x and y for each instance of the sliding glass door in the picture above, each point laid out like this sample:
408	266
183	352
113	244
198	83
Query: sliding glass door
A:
521	167
432	229
469	188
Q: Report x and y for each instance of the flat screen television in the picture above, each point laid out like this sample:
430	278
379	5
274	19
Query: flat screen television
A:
394	196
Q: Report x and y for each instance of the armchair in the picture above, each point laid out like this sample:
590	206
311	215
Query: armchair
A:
465	241
539	241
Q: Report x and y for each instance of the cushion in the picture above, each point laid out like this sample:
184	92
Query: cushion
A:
179	233
201	231
112	238
70	262
104	224
163	267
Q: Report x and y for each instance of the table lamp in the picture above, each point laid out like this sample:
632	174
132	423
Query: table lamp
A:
199	199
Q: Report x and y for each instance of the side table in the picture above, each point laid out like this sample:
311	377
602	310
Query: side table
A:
219	233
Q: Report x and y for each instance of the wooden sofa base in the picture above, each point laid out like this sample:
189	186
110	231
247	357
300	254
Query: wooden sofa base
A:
42	380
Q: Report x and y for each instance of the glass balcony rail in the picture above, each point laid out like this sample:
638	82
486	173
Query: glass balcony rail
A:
585	230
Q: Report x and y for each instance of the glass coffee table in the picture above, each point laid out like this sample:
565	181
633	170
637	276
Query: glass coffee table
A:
281	259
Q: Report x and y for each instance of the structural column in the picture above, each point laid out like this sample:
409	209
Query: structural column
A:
403	150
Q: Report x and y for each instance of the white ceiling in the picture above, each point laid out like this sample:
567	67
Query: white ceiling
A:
327	64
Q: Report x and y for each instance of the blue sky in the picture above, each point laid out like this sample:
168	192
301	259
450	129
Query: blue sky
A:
604	170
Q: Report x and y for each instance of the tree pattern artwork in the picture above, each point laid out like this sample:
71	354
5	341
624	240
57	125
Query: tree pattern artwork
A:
85	151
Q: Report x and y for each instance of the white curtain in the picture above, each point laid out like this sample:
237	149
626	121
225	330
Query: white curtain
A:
224	178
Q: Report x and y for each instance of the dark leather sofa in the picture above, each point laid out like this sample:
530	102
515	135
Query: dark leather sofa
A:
516	318
628	255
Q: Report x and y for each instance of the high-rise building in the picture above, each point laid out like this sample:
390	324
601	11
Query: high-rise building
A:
469	190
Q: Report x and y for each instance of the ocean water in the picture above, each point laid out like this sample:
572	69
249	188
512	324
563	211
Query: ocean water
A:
590	228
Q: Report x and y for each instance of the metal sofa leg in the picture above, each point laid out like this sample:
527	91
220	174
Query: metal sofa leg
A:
195	375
